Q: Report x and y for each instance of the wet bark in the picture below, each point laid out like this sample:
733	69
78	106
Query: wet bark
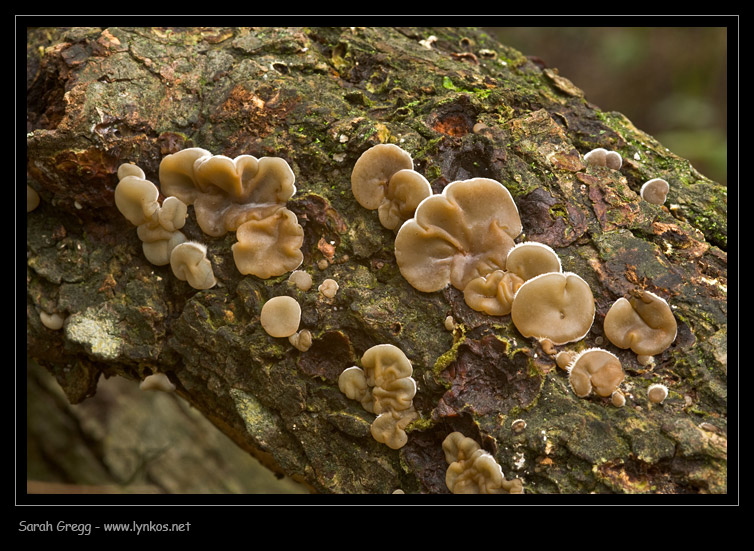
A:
462	105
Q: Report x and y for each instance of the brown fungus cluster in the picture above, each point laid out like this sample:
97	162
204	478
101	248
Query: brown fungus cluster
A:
384	386
246	195
472	470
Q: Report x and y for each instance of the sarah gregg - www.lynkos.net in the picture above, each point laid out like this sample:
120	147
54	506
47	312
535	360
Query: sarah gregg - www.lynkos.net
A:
86	528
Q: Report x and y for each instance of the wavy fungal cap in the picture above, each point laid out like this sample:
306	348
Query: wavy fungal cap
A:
269	247
189	263
135	197
595	370
472	470
281	316
531	258
227	192
558	306
655	191
644	323
461	234
493	294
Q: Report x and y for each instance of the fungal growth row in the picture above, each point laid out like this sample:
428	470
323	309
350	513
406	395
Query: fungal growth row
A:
384	386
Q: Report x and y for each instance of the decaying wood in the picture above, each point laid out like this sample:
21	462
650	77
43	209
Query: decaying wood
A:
463	106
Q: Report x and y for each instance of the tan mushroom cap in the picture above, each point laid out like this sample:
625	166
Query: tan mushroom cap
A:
531	258
189	263
493	294
657	393
281	316
602	157
461	234
655	191
385	363
389	427
269	247
157	381
227	192
472	470
301	279
644	323
32	198
595	370
372	172
158	243
406	189
136	198
353	383
558	306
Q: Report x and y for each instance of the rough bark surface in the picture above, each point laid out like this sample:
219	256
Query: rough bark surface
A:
462	105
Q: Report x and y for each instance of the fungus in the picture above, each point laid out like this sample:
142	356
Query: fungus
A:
32	198
329	288
450	323
655	191
618	399
558	306
384	178
53	321
246	195
472	470
461	234
564	358
384	386
493	294
603	157
595	370
302	340
157	381
281	316
300	279
189	262
156	225
657	393
643	322
531	258
269	247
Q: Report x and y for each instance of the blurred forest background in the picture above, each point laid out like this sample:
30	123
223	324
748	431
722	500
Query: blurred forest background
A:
670	82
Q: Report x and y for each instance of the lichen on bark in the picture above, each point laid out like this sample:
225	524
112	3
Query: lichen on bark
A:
463	105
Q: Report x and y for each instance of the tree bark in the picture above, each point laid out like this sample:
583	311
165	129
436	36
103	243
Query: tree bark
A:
463	105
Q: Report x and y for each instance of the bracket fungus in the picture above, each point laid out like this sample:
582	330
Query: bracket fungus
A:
472	470
281	316
461	234
642	322
595	370
158	226
531	258
189	262
558	306
384	386
246	195
384	178
655	191
602	157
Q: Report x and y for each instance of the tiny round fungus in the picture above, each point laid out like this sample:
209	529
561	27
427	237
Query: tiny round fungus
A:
595	370
52	321
558	306
328	288
493	294
302	340
450	323
657	393
564	358
301	279
472	470
655	191
269	247
383	178
189	262
603	157
461	234
157	381
643	322
384	387
32	198
531	258
281	316
618	399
